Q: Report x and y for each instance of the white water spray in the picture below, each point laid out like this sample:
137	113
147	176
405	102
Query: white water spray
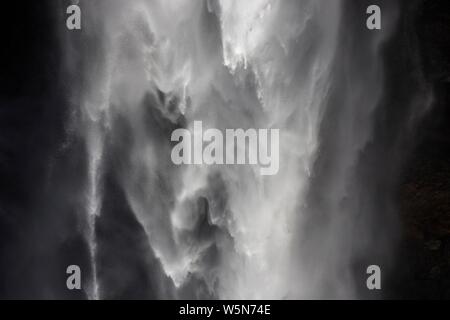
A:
230	64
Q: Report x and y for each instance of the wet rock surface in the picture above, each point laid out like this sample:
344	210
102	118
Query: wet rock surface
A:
424	253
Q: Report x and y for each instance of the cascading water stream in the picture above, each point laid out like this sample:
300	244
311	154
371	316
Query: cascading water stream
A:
158	65
93	207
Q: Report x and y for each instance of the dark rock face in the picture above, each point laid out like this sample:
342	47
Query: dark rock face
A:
424	254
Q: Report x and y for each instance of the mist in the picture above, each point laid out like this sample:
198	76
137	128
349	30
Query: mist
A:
145	227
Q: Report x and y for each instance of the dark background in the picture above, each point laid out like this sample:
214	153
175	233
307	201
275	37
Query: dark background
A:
31	128
423	270
36	244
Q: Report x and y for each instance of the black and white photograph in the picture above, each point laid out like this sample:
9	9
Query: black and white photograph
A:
225	150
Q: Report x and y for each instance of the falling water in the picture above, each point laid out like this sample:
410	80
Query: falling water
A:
153	66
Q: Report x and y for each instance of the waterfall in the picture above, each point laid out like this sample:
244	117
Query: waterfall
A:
149	67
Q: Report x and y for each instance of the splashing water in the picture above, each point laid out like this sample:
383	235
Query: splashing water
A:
153	66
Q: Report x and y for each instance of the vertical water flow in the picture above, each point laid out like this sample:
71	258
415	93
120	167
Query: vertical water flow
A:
95	149
94	145
94	124
218	231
